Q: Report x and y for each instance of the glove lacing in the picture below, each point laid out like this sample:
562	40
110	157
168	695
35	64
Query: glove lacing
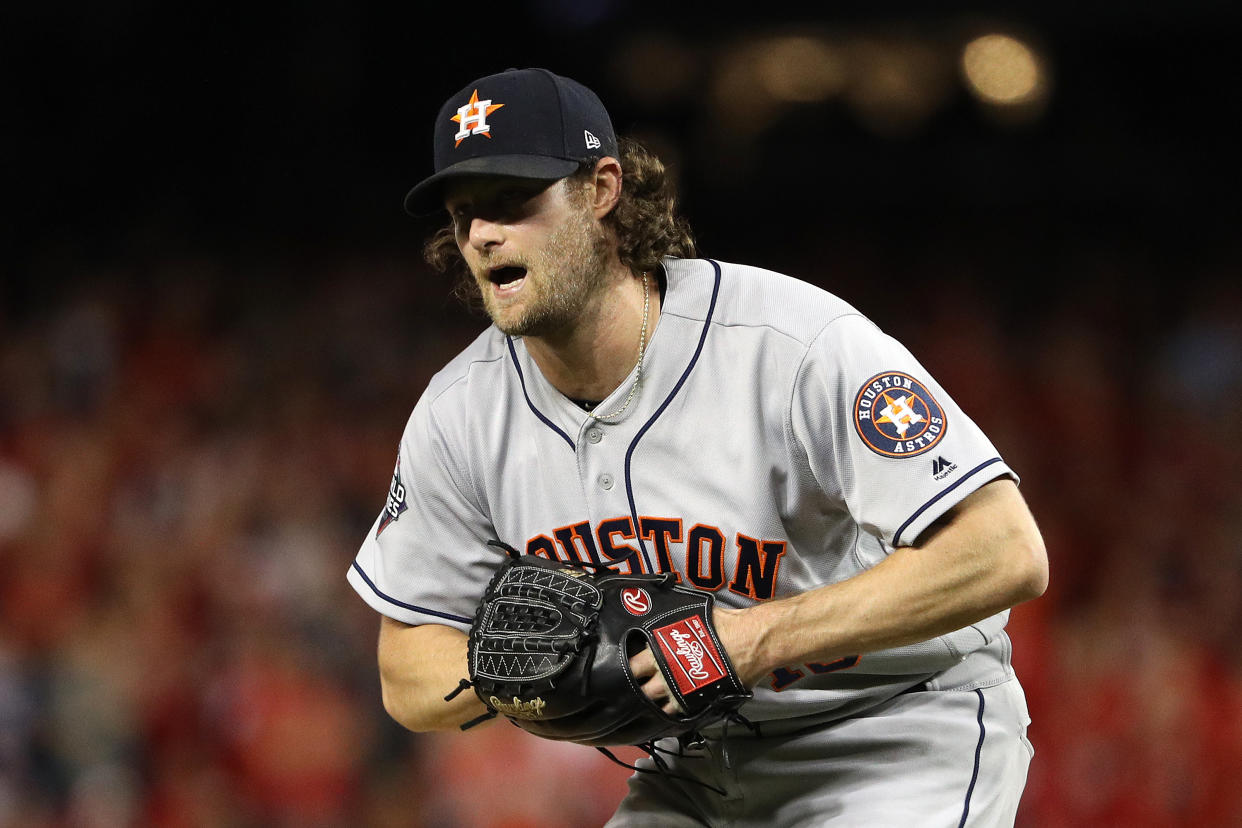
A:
690	739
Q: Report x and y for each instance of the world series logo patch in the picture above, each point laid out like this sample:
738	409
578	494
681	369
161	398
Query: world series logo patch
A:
395	504
896	416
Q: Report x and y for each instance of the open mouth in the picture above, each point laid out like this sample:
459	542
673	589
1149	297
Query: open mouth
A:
506	275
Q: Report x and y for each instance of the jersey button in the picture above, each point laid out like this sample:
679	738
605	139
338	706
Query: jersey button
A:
594	435
605	481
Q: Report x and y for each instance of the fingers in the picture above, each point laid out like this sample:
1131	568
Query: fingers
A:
651	680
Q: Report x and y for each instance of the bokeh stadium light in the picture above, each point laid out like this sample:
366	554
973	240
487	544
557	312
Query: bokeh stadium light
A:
1007	75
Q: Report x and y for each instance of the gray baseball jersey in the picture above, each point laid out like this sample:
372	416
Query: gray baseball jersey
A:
780	441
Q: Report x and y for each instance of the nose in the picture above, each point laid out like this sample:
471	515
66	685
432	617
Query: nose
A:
485	234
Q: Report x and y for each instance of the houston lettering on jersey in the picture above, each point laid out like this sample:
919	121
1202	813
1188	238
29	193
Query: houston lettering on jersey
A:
697	556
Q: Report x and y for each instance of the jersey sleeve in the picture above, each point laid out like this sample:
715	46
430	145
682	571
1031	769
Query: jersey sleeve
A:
881	436
425	555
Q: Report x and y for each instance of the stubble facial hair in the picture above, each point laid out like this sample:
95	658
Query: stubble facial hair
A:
571	272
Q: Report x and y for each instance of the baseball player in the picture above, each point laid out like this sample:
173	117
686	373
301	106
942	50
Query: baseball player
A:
750	433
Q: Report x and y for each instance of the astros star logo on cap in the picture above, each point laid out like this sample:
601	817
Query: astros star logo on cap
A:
540	126
473	118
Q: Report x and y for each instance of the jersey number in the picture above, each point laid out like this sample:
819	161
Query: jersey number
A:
782	677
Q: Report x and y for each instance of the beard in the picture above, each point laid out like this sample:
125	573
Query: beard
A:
562	280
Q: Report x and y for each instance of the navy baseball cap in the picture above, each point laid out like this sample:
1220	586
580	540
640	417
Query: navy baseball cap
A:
528	123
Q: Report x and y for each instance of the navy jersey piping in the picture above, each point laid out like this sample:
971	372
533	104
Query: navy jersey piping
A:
928	504
403	604
629	454
522	379
974	777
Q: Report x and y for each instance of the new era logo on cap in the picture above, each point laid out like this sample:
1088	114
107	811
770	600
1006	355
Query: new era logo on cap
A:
591	141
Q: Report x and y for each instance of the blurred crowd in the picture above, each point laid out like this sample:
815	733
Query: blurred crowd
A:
190	454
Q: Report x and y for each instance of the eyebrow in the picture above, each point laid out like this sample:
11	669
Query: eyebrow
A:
527	188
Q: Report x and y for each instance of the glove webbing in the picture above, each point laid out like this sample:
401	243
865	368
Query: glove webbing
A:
466	684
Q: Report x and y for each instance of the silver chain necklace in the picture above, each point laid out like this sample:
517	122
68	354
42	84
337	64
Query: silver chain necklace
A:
642	349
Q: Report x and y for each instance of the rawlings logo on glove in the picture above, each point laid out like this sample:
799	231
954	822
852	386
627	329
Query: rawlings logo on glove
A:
517	708
690	654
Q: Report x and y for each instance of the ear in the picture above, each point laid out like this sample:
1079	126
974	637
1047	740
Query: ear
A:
607	182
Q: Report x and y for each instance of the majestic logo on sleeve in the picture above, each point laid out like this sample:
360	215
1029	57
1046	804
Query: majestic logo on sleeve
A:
942	468
472	118
396	501
896	416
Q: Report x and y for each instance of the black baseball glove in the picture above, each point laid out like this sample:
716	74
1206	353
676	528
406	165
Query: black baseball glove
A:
551	643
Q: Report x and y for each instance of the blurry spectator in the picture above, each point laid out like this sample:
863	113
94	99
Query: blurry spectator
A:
181	482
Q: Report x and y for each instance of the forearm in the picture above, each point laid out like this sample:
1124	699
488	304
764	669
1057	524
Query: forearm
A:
419	666
987	557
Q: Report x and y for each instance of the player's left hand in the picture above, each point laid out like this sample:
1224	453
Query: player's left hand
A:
735	633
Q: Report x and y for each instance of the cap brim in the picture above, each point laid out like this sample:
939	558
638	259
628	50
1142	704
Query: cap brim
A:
427	196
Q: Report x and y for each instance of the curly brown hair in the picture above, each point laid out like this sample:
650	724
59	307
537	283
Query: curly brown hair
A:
644	222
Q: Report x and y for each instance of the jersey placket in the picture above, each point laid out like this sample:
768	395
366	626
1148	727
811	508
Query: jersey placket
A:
601	458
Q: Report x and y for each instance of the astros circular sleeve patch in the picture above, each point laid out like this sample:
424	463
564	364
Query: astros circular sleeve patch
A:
896	416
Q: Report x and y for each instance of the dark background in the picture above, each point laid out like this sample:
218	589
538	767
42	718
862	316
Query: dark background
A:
290	128
214	321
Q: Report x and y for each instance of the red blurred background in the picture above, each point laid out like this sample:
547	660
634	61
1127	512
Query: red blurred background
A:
214	322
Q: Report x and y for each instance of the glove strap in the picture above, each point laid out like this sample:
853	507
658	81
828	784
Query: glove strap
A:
692	659
464	684
509	550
